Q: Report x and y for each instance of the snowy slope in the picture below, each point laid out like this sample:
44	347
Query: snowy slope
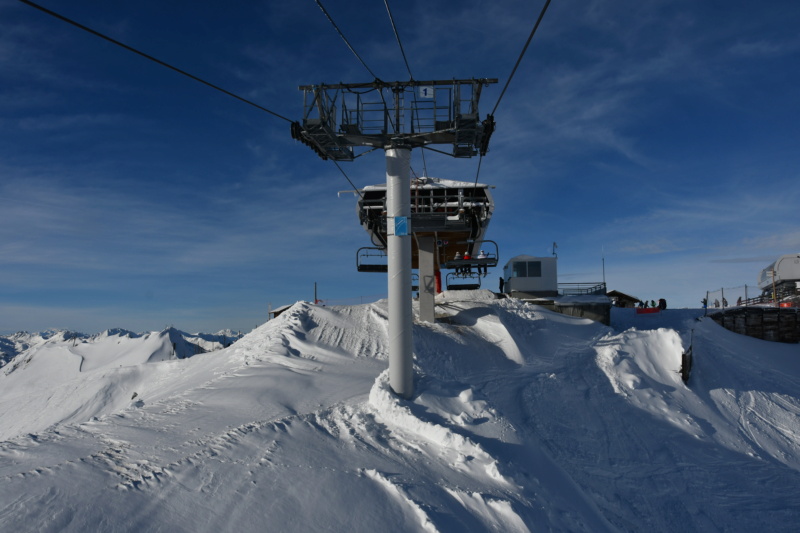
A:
523	420
187	344
62	377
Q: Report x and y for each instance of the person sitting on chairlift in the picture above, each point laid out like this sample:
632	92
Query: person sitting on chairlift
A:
467	268
482	268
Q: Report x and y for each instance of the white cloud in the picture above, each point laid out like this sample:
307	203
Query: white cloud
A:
55	122
762	48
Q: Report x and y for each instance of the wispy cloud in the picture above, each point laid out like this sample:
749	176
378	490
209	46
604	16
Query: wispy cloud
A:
53	122
760	259
622	128
47	223
725	224
761	48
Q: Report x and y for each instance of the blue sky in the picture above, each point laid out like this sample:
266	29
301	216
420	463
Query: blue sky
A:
662	136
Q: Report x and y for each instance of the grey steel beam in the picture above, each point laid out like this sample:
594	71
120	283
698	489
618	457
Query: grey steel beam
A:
401	319
426	245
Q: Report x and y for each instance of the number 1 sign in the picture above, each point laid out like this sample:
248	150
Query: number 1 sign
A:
425	91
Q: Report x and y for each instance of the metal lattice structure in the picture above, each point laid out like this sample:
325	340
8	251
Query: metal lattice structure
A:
339	118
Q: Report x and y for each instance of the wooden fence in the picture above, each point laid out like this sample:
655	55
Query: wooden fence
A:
780	324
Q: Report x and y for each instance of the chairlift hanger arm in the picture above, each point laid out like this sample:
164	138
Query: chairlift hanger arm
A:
365	153
426	147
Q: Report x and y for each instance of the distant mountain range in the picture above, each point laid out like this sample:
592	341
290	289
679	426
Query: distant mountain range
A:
183	344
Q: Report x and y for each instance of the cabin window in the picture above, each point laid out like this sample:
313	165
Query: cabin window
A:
527	269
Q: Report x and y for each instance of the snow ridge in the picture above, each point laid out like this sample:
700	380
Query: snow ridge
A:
523	419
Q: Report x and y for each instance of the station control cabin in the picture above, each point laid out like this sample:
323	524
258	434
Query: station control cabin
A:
529	276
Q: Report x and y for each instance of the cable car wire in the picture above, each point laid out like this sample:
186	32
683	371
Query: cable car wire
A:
151	58
377	79
508	81
477	173
345	38
397	36
171	67
410	75
347	178
519	59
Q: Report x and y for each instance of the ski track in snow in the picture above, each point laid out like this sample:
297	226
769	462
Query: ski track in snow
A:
522	420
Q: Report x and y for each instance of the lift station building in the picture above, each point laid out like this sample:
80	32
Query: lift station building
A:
526	276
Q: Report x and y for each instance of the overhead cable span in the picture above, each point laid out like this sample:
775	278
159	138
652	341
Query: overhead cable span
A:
519	59
397	36
149	57
330	19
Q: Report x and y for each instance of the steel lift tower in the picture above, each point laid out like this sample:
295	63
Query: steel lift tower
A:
340	119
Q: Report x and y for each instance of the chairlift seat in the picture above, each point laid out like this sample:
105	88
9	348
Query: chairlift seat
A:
373	268
461	263
366	260
463	281
464	287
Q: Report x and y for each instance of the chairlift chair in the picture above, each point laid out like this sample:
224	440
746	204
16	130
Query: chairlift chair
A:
468	281
473	263
370	259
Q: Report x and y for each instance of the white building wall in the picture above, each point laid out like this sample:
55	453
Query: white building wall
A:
786	268
526	273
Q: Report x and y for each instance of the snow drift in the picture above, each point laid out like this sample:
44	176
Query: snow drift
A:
522	420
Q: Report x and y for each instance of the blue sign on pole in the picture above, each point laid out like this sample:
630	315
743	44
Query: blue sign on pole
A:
401	226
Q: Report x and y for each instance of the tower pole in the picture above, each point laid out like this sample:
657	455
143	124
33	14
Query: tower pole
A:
398	220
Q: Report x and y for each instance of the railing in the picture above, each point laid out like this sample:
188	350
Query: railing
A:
582	289
732	298
728	297
438	202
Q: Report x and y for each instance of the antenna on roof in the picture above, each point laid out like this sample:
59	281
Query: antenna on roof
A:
603	256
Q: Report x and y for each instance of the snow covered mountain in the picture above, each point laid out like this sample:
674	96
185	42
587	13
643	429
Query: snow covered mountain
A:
522	420
190	343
